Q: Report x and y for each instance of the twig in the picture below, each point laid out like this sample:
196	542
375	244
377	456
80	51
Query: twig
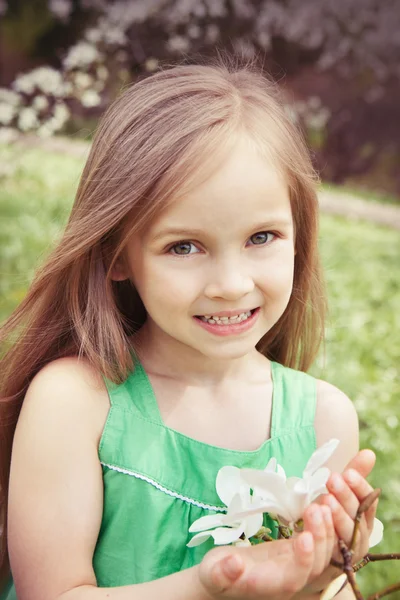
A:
389	590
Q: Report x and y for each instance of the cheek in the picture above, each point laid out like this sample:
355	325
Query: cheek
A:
164	288
277	277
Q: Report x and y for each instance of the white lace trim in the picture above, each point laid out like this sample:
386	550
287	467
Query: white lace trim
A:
164	489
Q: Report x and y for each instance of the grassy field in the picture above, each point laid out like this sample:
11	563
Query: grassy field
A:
363	343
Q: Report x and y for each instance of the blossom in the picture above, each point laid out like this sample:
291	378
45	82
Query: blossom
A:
90	98
46	79
27	119
377	533
228	528
7	113
82	55
40	103
289	497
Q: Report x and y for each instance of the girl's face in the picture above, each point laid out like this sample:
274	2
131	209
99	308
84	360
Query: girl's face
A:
225	249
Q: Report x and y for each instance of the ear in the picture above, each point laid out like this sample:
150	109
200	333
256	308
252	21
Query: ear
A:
119	271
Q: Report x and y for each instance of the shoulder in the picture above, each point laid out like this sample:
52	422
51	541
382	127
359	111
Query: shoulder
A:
67	389
336	417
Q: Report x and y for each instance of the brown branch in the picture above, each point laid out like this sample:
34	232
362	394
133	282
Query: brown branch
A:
389	590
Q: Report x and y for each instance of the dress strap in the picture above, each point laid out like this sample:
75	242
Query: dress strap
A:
294	399
135	394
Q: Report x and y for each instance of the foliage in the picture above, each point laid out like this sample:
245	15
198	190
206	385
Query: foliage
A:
363	345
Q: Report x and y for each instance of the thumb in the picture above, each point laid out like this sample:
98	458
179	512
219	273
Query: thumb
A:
218	571
363	462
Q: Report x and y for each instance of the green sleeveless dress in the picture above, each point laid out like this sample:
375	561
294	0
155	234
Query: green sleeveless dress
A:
157	481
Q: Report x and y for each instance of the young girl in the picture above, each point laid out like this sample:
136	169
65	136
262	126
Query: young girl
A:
159	343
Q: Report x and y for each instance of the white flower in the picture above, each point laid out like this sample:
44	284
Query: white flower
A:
228	528
46	79
10	97
289	497
377	533
60	8
333	588
7	113
82	55
40	103
83	80
90	98
27	119
61	114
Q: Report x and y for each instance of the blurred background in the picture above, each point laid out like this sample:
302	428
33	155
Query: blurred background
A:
338	63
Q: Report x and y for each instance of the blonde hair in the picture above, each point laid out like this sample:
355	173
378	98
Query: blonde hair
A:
150	143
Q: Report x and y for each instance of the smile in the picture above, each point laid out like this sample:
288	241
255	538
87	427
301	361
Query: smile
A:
226	320
234	324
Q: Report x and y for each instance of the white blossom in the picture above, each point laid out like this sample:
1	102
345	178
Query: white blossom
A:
27	119
61	114
178	43
228	528
7	113
82	55
90	98
40	103
334	587
46	79
9	97
60	8
377	533
83	80
289	497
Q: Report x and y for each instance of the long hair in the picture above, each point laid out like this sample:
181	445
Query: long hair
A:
149	145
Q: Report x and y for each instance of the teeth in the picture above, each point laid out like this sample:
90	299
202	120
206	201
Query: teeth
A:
226	320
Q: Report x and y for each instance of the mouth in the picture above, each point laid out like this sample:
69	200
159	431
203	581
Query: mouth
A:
223	319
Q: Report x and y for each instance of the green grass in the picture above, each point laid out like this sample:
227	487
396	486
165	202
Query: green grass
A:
363	342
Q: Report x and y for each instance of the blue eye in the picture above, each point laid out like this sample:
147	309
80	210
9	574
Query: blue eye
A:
183	249
262	237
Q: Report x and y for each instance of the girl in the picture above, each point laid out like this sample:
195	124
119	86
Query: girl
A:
158	344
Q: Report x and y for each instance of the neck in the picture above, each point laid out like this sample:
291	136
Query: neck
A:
162	355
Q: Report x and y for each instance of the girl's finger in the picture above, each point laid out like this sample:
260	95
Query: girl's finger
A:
361	488
343	493
343	523
330	533
315	523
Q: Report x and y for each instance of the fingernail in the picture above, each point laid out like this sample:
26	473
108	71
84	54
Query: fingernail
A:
316	516
231	566
337	483
326	513
332	503
352	476
306	542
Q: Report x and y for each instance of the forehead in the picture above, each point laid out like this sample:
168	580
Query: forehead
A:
244	187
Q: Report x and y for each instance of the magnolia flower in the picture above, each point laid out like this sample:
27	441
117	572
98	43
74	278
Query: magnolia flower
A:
228	528
377	533
289	497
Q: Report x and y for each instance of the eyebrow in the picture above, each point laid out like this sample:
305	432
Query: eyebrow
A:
189	233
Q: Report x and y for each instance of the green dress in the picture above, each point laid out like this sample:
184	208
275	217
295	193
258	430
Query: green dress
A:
157	481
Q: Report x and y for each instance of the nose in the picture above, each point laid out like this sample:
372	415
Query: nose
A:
229	280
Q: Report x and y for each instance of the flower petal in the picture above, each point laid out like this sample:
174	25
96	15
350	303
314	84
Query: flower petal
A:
229	483
198	539
252	524
226	535
321	455
377	533
333	588
207	522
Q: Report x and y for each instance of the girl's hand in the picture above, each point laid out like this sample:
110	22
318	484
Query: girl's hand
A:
346	493
271	570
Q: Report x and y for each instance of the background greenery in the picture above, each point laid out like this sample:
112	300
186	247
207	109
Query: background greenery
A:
363	344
